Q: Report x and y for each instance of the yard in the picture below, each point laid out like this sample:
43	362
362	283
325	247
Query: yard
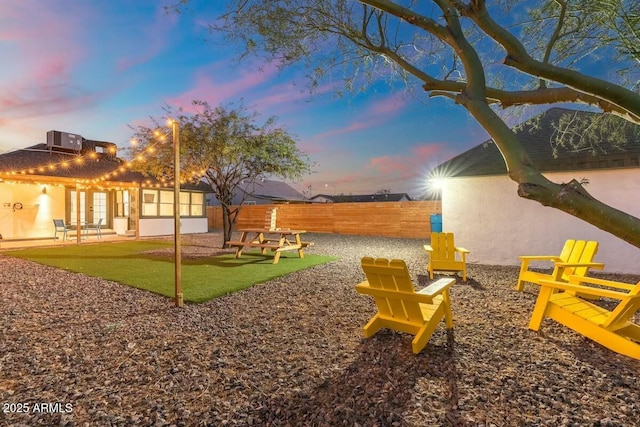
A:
207	272
290	352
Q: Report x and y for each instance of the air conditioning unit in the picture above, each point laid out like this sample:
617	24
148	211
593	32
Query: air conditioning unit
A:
67	141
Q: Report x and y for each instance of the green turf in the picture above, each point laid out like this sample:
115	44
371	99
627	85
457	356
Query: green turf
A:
202	278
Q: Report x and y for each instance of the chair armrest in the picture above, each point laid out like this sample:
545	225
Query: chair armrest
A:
362	287
428	248
601	282
366	289
437	287
595	265
553	258
461	250
582	289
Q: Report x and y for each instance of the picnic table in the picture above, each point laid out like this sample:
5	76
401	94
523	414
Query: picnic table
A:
277	240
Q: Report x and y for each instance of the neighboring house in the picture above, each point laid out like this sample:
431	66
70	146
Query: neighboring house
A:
263	192
46	181
359	198
481	206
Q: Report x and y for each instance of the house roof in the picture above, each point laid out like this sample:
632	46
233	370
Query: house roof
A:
536	136
39	160
354	198
265	191
268	189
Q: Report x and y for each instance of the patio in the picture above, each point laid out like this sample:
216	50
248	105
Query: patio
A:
108	235
285	354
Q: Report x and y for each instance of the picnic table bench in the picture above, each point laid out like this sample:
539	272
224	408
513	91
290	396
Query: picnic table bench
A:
277	240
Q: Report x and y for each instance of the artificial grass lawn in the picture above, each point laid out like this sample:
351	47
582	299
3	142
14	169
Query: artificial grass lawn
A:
202	278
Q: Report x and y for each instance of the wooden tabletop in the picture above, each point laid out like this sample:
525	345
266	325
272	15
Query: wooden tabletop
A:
279	231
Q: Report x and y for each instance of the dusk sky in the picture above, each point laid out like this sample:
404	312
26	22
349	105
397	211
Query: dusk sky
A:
93	68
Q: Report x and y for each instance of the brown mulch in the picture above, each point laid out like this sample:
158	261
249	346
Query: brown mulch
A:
290	352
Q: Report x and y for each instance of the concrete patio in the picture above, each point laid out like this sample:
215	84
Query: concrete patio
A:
108	235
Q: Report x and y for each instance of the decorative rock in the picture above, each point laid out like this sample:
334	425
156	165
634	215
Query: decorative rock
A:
290	352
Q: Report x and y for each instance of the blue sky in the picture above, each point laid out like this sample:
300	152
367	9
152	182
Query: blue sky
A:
93	67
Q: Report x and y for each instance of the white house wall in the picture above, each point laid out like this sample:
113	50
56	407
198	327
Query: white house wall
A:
164	226
496	225
35	219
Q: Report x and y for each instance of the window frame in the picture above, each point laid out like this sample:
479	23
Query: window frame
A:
189	205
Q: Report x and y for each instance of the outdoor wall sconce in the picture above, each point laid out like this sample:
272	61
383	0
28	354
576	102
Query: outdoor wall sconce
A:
44	190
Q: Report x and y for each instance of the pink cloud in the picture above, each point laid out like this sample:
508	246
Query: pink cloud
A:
407	166
207	88
347	179
399	173
428	151
389	164
352	127
289	94
310	147
373	116
332	185
389	105
154	38
281	94
44	55
355	184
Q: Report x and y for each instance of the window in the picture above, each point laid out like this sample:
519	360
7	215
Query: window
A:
166	203
122	203
197	204
150	202
160	203
185	202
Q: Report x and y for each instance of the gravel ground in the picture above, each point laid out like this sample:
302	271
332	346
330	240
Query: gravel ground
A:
290	352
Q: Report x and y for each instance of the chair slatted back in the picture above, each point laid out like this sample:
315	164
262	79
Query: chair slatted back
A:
581	252
443	246
394	276
566	250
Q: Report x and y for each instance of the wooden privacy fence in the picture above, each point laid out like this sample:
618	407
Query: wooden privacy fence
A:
393	219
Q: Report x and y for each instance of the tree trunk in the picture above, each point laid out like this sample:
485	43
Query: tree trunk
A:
573	199
229	217
227	224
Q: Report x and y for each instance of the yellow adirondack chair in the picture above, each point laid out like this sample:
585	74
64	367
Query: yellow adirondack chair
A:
613	329
575	259
399	306
443	255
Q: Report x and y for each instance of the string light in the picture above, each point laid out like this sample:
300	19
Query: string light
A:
92	155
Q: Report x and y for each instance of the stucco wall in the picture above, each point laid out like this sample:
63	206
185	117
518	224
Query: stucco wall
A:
164	226
497	226
34	220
